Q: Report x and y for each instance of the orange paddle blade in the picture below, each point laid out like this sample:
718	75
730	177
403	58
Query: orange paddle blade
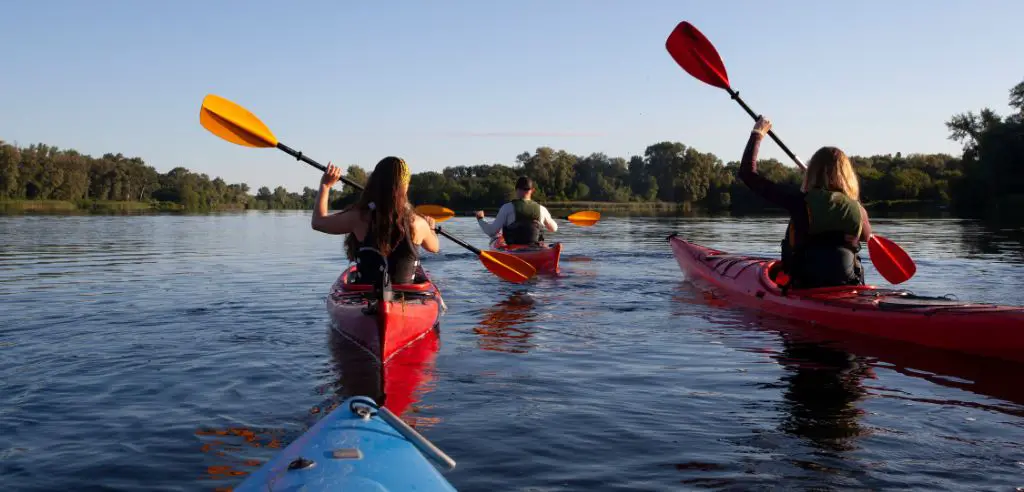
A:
585	218
891	261
234	123
437	212
507	267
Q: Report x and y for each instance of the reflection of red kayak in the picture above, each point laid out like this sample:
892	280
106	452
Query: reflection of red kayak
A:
409	373
398	384
544	257
410	315
990	377
980	329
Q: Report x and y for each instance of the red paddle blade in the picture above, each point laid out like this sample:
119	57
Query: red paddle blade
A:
692	51
891	261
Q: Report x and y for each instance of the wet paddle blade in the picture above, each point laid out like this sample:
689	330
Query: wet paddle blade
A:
437	212
585	218
891	261
507	267
695	54
234	123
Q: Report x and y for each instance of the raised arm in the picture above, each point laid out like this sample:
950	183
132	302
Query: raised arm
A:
781	195
337	223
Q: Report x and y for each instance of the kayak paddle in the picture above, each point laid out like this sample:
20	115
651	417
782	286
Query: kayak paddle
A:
891	261
699	58
695	54
437	212
585	218
237	125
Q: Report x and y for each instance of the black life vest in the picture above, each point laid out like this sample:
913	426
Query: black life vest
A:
826	253
526	229
400	264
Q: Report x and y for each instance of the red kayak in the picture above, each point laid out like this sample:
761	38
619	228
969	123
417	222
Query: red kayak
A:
411	314
544	257
979	329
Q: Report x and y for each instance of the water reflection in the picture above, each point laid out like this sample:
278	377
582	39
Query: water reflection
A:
823	386
229	445
993	238
803	342
988	377
398	385
507	326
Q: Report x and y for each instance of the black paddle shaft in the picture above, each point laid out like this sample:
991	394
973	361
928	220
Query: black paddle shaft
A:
457	240
298	155
736	96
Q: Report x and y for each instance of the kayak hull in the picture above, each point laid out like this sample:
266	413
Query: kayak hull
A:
979	329
392	326
348	452
544	258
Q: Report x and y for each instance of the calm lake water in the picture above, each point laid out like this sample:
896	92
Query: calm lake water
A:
180	352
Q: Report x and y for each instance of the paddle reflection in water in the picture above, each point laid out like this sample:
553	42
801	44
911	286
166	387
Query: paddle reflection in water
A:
230	447
506	327
398	385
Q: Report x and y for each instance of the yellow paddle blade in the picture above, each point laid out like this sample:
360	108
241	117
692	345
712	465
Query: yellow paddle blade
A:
507	267
234	123
439	213
585	218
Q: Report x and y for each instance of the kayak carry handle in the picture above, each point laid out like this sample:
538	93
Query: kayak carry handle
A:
423	444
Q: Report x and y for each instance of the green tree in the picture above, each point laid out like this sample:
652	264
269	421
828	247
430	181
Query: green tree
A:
10	160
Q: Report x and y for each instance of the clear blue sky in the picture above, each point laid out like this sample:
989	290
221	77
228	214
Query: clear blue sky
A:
460	83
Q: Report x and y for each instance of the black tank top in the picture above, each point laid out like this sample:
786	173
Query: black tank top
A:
401	263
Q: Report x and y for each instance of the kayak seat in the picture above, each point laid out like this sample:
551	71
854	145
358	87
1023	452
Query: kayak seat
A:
527	247
420	287
420	284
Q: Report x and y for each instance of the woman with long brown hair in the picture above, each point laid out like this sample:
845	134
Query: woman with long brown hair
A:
826	220
381	224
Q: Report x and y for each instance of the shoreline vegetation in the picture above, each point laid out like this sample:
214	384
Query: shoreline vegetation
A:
670	178
928	208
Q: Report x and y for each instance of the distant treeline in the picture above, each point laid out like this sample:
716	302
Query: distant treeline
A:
989	176
44	173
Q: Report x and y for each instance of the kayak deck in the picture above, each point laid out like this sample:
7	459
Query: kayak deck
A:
351	448
980	329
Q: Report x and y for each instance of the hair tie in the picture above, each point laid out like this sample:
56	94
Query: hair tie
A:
403	174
